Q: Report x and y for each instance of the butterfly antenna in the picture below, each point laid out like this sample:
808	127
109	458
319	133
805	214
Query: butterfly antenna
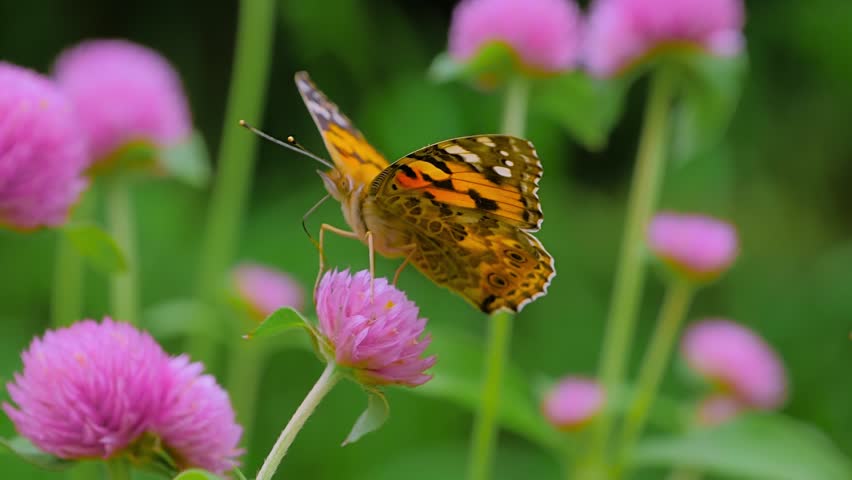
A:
290	144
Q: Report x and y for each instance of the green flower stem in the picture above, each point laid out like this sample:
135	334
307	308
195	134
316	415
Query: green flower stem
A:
629	278
515	106
245	369
66	304
484	438
123	286
249	78
118	469
484	435
672	313
330	376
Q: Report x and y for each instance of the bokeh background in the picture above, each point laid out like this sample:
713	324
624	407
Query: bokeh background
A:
783	174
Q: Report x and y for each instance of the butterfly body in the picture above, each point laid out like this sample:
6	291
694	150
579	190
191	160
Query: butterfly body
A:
461	211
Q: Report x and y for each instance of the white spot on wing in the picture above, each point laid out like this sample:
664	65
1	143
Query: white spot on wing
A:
504	153
486	141
470	157
503	171
509	163
319	110
455	150
339	119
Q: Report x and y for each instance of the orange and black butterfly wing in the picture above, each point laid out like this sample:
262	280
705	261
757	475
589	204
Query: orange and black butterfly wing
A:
467	206
349	150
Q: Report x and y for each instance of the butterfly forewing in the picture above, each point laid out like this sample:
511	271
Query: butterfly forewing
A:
349	150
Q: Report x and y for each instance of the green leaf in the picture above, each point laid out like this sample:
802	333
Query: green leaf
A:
281	320
457	377
710	93
196	474
585	107
23	448
180	318
188	161
758	446
96	246
372	419
238	474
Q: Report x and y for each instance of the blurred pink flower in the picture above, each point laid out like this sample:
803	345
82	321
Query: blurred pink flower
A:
573	403
265	290
198	426
92	390
717	409
42	151
737	360
123	92
699	247
89	390
620	32
545	34
379	339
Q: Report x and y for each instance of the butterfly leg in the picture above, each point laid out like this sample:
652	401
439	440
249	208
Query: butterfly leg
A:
402	266
343	233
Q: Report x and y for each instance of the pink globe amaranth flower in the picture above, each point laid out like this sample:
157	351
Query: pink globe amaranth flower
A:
573	403
620	32
264	290
738	361
544	34
696	246
42	151
718	409
89	390
99	390
198	427
378	337
123	93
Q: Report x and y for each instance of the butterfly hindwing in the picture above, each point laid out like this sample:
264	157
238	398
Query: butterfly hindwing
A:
467	205
349	150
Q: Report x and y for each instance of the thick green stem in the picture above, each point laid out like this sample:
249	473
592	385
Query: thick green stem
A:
249	78
484	435
123	286
629	278
326	381
118	469
515	106
66	304
484	438
672	313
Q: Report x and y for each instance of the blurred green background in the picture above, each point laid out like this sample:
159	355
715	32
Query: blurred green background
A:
782	174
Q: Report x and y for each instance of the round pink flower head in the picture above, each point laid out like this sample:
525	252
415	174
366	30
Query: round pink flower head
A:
717	409
738	361
543	34
380	338
265	290
123	93
573	403
620	32
198	427
695	246
88	390
42	151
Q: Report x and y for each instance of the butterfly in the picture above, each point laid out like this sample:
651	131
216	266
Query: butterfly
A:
461	210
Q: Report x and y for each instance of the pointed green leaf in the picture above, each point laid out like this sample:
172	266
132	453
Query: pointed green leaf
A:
756	446
372	419
585	107
188	161
238	474
23	448
196	474
96	246
280	321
